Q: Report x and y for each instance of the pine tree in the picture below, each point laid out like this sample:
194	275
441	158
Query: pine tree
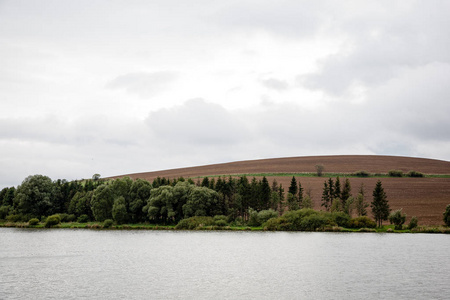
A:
380	205
293	189
326	200
300	194
337	189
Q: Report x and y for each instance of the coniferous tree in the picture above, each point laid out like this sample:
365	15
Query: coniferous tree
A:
300	194
281	203
265	194
326	199
293	189
337	189
380	205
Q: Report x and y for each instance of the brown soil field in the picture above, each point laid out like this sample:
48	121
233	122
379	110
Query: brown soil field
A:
425	198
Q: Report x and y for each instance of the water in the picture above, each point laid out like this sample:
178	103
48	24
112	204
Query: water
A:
88	264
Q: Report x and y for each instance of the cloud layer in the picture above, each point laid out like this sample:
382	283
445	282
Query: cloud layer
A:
112	88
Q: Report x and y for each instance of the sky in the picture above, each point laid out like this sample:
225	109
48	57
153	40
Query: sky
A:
119	87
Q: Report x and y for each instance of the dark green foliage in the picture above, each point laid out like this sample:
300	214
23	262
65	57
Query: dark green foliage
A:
5	210
108	223
380	205
362	222
292	202
259	218
395	173
362	174
447	215
102	202
346	191
397	218
293	188
195	223
201	201
34	196
326	198
300	220
83	219
340	218
33	221
413	223
15	218
337	189
415	174
67	217
52	220
119	210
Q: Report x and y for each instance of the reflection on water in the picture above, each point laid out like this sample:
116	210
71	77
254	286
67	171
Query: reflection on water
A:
74	264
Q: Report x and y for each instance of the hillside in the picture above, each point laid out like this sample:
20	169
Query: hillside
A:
425	198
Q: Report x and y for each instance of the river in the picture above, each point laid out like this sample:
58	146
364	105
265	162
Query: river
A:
112	264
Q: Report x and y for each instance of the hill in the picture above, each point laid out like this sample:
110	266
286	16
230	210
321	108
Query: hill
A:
425	198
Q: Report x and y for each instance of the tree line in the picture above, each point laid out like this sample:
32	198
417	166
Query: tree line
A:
166	201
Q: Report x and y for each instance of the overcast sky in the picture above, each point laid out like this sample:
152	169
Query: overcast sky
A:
116	87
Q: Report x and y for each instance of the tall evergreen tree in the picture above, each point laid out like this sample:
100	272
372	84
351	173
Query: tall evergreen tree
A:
300	194
337	189
293	189
380	205
264	197
326	199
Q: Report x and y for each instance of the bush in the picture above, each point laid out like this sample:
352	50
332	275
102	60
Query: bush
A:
83	219
395	173
265	215
52	221
447	215
314	222
362	222
397	218
195	223
415	174
108	223
67	217
33	222
4	211
340	218
220	220
362	174
220	223
14	218
413	223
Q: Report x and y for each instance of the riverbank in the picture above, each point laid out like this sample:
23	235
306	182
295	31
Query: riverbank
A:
101	226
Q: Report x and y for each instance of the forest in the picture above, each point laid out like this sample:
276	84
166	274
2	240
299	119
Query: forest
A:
218	202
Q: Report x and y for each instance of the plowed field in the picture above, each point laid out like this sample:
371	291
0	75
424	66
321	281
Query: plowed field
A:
425	198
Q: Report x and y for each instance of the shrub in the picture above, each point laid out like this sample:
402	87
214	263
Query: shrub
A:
340	218
67	217
83	219
447	215
314	222
108	223
220	220
14	218
195	223
4	211
395	173
414	174
52	221
362	174
265	215
397	218
220	223
362	222
413	223
33	222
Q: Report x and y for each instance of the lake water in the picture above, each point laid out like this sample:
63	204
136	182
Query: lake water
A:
89	264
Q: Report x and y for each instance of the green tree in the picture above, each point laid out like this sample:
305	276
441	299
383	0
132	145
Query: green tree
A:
346	191
102	202
264	197
326	199
360	204
307	202
397	218
337	189
292	202
293	188
139	193
119	210
34	196
380	205
447	215
202	201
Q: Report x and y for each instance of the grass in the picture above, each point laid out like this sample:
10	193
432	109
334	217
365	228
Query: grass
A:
145	226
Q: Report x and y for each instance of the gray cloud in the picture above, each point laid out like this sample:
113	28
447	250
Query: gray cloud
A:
197	122
275	84
142	83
